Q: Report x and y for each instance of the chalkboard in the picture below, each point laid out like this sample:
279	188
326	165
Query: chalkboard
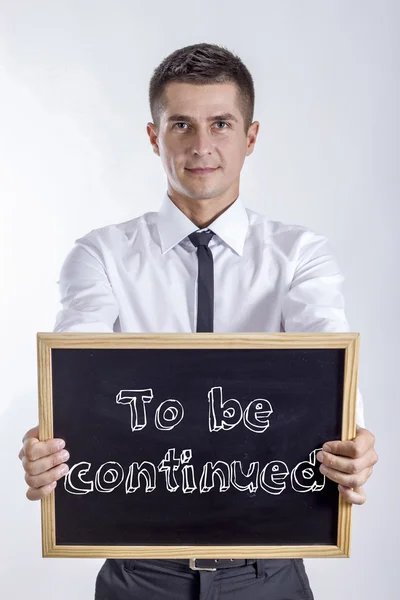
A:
195	445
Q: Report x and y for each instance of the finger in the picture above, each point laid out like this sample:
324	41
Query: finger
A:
356	496
38	494
355	448
347	465
34	433
42	465
339	448
46	478
351	481
34	449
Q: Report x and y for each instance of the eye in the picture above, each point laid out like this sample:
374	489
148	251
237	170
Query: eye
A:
182	123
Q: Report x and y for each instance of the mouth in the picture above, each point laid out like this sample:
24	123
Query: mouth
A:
279	478
263	417
201	171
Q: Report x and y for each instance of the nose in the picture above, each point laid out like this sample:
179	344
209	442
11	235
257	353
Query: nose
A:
202	144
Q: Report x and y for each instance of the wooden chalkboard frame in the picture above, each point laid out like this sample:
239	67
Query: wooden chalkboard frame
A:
299	340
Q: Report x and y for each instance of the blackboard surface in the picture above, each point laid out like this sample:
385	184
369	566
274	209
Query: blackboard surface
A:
304	388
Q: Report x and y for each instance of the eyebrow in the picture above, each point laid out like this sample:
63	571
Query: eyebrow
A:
223	117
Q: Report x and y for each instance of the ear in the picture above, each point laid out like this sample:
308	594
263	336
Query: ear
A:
153	135
252	137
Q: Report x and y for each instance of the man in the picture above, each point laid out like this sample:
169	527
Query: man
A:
203	263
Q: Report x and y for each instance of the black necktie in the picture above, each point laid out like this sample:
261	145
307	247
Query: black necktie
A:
205	280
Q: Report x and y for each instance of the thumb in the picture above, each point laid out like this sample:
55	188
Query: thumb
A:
32	433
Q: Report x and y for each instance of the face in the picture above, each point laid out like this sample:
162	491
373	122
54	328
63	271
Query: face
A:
202	128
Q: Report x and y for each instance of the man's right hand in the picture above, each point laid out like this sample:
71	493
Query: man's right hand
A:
43	463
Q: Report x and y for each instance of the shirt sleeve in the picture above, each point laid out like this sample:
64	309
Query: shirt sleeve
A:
314	301
87	299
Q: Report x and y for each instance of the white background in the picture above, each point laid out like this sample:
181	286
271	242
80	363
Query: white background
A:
75	155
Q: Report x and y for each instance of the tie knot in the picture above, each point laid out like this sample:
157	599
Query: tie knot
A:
201	238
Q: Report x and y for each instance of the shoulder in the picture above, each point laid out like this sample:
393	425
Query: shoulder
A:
289	238
117	235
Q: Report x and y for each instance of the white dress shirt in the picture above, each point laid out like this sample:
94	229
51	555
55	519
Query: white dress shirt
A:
141	276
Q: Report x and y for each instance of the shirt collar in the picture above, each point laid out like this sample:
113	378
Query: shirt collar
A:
231	226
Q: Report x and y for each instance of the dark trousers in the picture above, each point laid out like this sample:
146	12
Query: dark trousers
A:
145	579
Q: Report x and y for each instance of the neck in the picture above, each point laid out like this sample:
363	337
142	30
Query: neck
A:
202	212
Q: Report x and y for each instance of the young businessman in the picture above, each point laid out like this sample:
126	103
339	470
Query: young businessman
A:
150	274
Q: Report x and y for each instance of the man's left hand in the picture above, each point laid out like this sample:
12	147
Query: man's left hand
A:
350	464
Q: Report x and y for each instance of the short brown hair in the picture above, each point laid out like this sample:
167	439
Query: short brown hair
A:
202	64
